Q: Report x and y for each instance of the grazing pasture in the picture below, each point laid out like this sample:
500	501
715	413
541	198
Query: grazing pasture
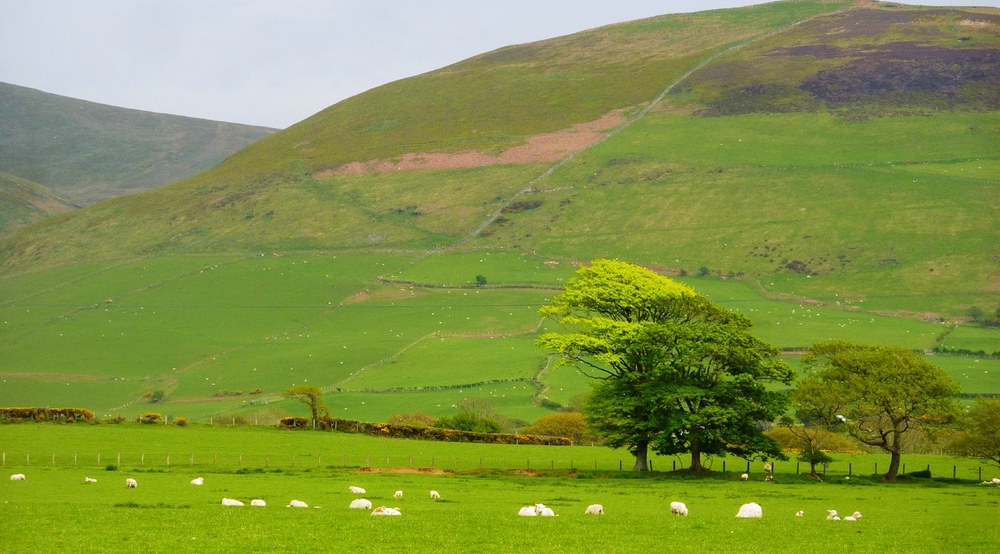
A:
54	510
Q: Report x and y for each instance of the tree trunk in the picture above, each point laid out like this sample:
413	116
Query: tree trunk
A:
696	458
641	451
895	450
812	470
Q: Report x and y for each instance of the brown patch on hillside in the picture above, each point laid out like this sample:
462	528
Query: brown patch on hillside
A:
995	287
545	148
407	470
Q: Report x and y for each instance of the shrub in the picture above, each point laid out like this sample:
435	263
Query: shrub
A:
181	422
570	425
416	419
111	467
150	418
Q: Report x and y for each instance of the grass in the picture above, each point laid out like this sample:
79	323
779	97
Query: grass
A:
476	513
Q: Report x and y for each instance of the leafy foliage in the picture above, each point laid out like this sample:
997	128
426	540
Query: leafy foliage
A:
309	395
677	372
877	393
982	439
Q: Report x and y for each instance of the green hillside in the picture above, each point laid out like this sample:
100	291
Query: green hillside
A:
90	152
753	153
23	202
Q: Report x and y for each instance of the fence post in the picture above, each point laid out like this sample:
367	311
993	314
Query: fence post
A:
619	465
168	460
796	467
748	467
650	465
74	459
954	472
98	459
142	460
241	460
980	473
319	460
53	459
27	459
119	463
675	465
876	468
850	468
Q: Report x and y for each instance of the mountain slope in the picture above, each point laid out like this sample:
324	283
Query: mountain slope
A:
90	152
23	202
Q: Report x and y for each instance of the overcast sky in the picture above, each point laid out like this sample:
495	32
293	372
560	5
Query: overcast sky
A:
271	62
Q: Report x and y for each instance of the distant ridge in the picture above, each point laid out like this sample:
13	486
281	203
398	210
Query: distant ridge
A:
23	202
89	152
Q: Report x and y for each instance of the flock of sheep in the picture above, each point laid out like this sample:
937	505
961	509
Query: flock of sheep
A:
747	511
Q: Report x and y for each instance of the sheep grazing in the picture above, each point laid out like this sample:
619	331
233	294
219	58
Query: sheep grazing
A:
258	502
131	484
595	510
383	511
198	482
297	504
528	511
768	468
769	479
357	490
398	495
89	480
799	513
361	504
856	515
750	511
994	481
832	515
231	502
678	508
435	495
745	476
17	477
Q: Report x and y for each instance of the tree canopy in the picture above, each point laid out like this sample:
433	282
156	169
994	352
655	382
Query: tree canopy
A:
982	438
675	372
309	395
877	393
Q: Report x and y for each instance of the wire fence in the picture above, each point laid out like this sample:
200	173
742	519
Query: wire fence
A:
961	470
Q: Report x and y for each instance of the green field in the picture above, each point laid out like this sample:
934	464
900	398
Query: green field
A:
54	510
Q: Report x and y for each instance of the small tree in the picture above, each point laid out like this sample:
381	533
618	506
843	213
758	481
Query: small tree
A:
982	439
480	280
810	441
878	393
309	395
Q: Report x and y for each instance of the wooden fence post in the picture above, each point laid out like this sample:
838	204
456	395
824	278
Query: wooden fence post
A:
119	463
142	460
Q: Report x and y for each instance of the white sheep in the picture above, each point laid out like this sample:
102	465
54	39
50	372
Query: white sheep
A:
17	477
89	480
832	515
595	509
198	482
435	495
544	510
231	502
258	502
383	511
398	495
995	481
131	484
768	468
751	510
799	513
528	511
849	518
745	476
678	508
856	515
297	504
769	479
361	504
357	490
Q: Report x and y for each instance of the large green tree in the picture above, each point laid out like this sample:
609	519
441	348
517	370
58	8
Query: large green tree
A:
676	373
878	393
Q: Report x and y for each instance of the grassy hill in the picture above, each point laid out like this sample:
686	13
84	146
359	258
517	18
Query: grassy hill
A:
90	152
751	152
23	202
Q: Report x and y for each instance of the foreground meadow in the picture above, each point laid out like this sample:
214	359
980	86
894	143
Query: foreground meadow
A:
54	510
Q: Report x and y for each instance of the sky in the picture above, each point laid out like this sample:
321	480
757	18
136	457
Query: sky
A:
276	62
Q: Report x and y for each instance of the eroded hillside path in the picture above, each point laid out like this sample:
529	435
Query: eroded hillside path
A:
628	122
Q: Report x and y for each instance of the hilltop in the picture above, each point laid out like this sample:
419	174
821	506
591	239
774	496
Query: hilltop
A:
88	152
828	168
